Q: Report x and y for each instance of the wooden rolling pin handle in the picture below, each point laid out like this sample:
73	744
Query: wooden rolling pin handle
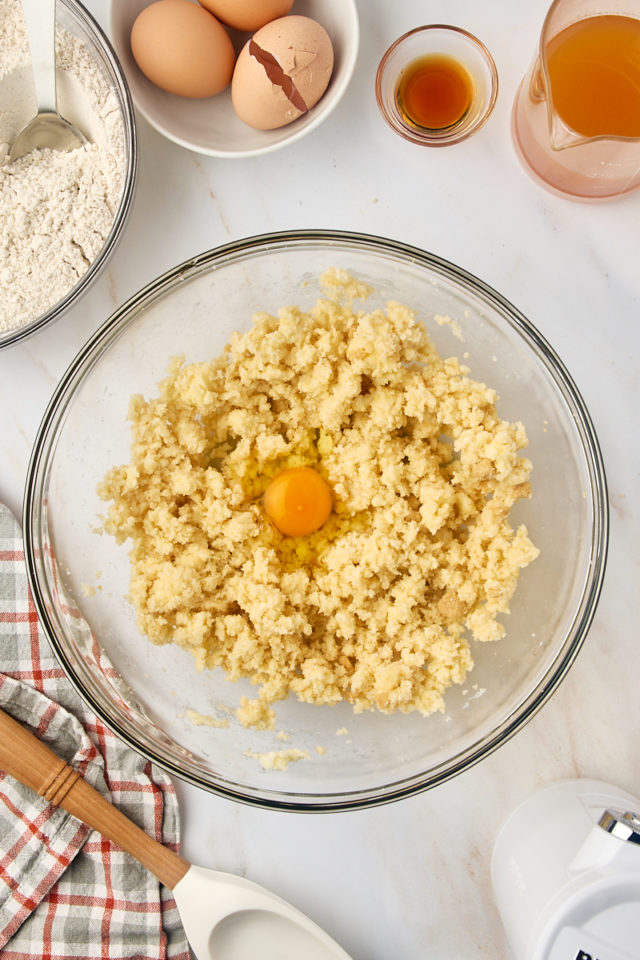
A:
31	762
59	784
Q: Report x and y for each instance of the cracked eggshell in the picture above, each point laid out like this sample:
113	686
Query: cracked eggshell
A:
298	48
182	49
247	15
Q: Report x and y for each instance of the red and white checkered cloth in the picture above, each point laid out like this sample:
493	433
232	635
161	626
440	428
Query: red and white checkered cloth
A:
65	891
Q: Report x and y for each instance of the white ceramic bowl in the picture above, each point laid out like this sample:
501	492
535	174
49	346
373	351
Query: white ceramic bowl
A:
210	126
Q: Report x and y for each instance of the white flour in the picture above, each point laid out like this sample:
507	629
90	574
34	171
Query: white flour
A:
56	209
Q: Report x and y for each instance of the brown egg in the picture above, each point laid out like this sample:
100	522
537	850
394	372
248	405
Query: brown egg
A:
281	72
182	48
247	15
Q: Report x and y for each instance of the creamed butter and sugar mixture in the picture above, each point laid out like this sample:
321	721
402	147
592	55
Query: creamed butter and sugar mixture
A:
417	556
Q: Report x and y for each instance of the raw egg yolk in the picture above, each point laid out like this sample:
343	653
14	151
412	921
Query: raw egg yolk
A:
298	501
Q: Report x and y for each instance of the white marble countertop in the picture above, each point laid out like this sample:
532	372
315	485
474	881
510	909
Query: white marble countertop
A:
411	879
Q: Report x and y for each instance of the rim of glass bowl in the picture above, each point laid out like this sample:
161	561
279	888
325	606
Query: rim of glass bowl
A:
89	24
392	790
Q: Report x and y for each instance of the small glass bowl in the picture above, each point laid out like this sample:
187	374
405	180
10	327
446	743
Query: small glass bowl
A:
452	42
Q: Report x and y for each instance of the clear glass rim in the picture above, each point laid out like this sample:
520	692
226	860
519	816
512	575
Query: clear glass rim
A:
80	368
82	15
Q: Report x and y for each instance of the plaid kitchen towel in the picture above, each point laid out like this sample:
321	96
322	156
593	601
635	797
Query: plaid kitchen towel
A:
65	891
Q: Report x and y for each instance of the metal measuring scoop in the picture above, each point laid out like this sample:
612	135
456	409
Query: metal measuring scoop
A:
47	129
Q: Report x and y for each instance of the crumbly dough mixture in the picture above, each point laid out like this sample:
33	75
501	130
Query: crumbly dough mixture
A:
418	556
278	759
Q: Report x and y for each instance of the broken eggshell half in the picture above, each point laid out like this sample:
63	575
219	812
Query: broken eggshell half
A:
211	126
281	72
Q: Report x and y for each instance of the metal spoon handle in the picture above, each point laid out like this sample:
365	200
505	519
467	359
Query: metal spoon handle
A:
31	762
40	20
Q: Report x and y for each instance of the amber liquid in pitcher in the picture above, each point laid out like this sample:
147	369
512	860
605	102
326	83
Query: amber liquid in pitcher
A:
434	92
594	74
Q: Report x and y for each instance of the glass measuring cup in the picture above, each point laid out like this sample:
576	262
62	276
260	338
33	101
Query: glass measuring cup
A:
576	116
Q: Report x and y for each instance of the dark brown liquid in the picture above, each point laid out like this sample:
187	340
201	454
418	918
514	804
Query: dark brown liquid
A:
434	92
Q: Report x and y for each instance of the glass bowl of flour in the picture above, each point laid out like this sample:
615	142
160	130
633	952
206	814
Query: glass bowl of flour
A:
61	214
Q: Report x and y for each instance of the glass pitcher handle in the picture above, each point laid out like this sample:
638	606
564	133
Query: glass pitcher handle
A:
537	91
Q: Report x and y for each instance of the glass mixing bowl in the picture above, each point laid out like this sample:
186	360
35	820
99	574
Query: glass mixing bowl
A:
145	693
78	22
